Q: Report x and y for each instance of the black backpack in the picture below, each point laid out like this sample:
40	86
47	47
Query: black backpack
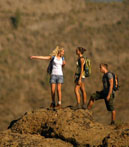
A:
115	81
50	66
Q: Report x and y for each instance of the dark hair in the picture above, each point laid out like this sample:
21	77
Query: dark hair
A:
81	49
105	65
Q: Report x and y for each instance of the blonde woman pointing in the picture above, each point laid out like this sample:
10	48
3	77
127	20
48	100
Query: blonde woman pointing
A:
56	78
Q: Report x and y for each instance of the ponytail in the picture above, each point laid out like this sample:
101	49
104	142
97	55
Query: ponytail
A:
81	49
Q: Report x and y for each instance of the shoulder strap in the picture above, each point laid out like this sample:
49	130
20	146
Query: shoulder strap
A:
63	58
106	76
108	73
79	60
52	58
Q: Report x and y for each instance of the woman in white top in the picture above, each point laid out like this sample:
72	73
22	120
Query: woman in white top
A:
56	78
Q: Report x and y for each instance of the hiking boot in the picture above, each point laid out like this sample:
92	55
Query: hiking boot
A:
52	105
84	106
58	106
78	106
112	123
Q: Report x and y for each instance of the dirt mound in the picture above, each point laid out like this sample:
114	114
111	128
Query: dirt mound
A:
10	139
118	137
64	127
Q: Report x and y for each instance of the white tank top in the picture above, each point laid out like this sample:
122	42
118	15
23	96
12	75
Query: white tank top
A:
57	66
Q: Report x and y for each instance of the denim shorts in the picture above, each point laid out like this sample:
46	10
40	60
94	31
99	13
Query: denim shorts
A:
55	79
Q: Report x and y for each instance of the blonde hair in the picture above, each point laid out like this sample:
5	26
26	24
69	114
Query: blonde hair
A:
56	51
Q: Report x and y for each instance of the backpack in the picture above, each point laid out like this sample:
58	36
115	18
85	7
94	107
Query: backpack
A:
50	66
115	81
87	67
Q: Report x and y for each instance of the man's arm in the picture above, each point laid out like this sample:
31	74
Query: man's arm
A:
110	88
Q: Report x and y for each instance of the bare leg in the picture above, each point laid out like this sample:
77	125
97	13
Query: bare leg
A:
77	88
113	116
90	104
83	93
59	93
53	87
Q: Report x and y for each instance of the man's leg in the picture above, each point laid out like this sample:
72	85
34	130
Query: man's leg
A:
90	104
113	116
110	107
95	96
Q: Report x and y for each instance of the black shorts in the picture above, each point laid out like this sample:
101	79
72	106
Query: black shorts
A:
77	79
101	95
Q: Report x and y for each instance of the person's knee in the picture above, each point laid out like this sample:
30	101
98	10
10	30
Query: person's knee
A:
76	89
92	98
53	90
83	90
59	87
113	112
91	102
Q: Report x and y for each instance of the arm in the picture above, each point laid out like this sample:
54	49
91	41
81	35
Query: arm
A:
110	89
63	60
63	63
82	69
41	57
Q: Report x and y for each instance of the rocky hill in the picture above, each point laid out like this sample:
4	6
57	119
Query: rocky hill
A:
62	128
35	27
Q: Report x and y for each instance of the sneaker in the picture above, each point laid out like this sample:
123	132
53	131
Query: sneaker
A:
84	106
52	105
58	106
78	106
112	123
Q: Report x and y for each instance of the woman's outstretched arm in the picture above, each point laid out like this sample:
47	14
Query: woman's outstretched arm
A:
41	57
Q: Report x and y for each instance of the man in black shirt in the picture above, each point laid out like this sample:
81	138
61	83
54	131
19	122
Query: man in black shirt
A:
107	93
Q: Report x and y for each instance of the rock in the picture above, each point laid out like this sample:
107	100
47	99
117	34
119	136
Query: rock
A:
63	127
119	137
11	139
